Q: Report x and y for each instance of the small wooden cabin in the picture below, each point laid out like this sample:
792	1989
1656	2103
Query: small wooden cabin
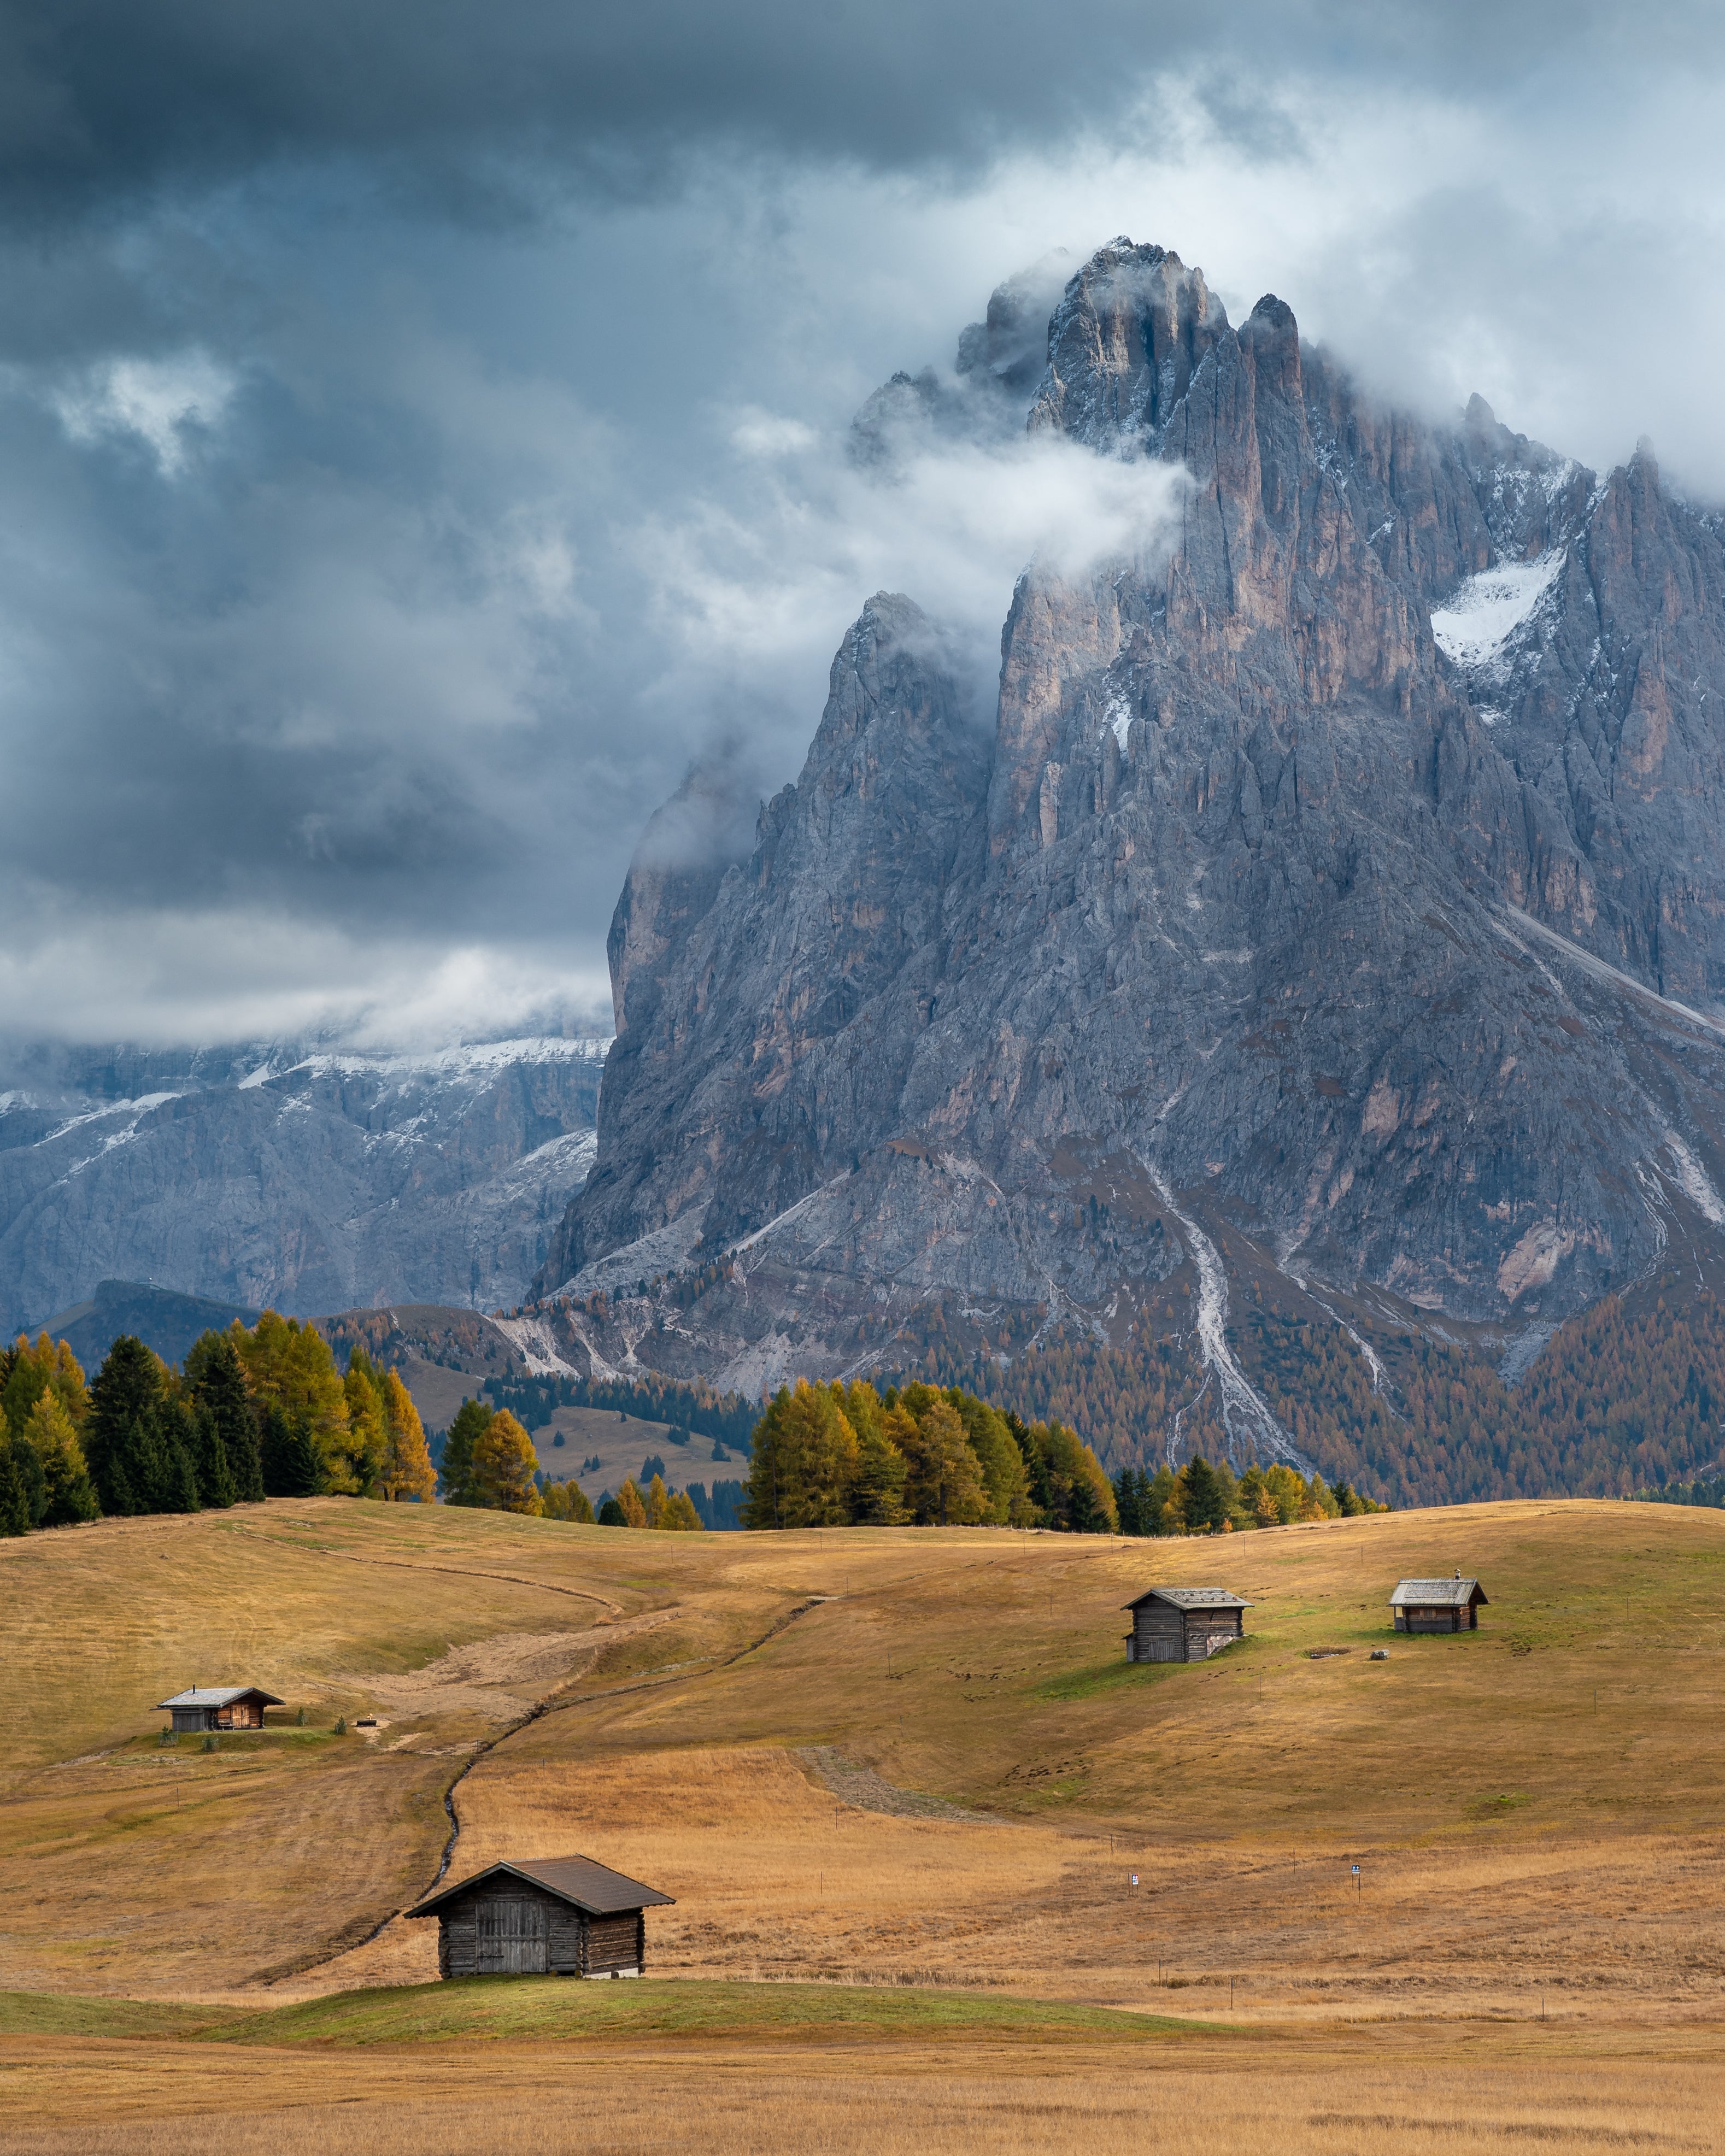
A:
560	1916
1438	1605
220	1706
1183	1624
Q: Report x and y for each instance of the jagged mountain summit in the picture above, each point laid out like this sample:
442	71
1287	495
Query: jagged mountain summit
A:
295	1175
1338	910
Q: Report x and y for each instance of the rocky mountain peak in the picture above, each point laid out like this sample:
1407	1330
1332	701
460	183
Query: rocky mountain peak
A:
1339	909
1129	333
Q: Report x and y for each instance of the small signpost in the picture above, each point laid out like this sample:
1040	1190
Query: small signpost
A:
1357	1887
1135	1878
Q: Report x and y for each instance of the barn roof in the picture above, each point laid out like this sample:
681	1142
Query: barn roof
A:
577	1879
1190	1598
1456	1594
218	1696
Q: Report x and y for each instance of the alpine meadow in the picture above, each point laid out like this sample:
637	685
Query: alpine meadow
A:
862	1080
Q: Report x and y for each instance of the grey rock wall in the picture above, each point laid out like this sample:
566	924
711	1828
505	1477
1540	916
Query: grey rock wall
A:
311	1181
1346	874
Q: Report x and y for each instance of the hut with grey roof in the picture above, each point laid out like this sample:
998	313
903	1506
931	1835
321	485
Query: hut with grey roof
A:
557	1916
218	1706
1183	1624
1438	1605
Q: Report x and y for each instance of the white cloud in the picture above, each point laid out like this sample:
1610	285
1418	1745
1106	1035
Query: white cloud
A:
165	404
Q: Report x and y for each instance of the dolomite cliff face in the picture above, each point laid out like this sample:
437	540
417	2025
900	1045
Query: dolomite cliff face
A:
1341	896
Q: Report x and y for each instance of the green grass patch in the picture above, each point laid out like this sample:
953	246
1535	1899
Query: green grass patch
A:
556	2009
1101	1678
58	2014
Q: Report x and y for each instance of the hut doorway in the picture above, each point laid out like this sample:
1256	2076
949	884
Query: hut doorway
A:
514	1938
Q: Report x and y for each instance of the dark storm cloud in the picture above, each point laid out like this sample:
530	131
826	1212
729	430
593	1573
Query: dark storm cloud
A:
490	104
421	426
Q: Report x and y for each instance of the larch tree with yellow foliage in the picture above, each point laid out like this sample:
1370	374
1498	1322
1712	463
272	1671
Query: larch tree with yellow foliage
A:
289	1367
407	1471
504	1465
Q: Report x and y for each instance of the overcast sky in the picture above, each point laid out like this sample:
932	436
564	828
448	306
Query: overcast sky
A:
421	427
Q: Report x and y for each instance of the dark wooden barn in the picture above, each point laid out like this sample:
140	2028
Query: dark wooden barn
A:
220	1706
559	1916
1438	1605
1183	1624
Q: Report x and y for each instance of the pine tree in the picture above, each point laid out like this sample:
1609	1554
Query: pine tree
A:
1203	1500
216	1378
118	1441
1001	1462
14	1505
176	1439
292	1462
612	1514
465	1431
877	1489
210	1459
366	1446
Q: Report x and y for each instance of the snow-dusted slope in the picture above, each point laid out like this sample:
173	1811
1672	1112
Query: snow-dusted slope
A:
305	1178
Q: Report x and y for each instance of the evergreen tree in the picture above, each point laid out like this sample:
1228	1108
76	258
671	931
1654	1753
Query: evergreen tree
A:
1204	1500
1035	1467
1129	1500
1158	1503
365	1448
217	1378
504	1465
612	1514
465	1431
1081	1496
210	1459
118	1433
14	1503
176	1439
292	1462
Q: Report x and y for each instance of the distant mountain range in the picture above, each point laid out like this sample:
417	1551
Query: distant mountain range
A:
305	1178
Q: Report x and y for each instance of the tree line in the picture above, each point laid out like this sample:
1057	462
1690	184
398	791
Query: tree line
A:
843	1454
252	1412
1202	1500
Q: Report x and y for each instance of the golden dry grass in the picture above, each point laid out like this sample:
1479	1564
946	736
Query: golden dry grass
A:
1352	2096
1533	1808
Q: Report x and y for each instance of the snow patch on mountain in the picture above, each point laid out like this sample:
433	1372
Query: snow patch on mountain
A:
1485	612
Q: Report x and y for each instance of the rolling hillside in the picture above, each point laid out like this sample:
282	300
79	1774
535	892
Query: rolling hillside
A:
832	1748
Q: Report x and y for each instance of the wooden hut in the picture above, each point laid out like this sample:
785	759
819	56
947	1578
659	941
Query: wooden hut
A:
559	1916
1183	1624
1438	1605
220	1706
